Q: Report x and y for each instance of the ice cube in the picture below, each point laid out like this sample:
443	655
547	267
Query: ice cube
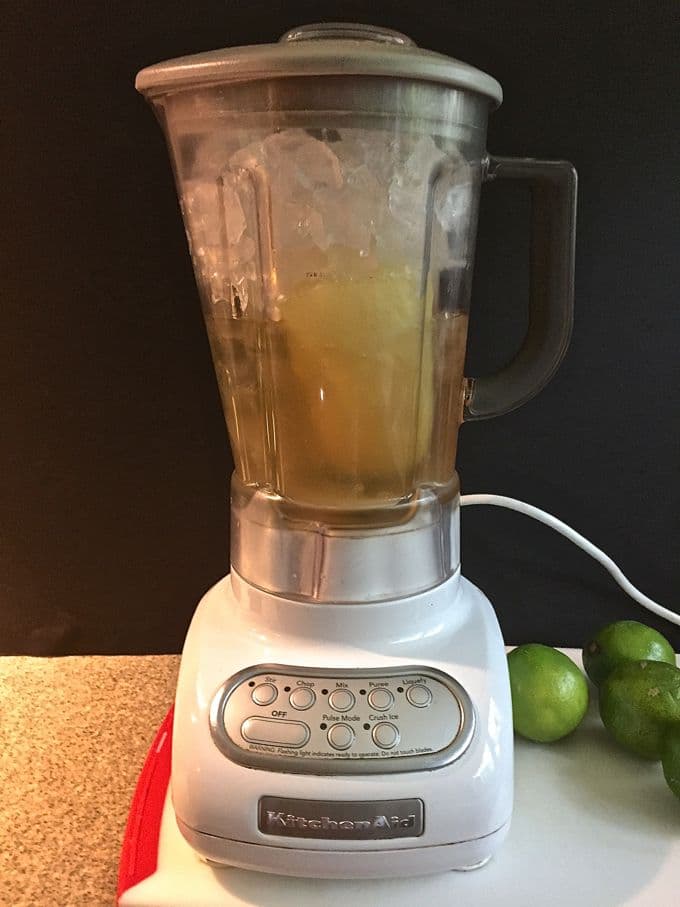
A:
213	210
365	191
452	207
293	160
316	165
241	256
350	213
351	151
382	153
231	210
297	224
420	163
211	154
201	204
316	229
409	185
295	167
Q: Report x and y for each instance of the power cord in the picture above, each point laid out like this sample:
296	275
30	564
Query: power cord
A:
497	500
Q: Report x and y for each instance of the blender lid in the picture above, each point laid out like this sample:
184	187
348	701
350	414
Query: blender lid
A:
326	49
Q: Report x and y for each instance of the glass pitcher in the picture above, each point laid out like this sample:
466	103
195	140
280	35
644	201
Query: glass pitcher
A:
329	186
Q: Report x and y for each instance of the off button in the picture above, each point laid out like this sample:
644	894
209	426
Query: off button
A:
275	731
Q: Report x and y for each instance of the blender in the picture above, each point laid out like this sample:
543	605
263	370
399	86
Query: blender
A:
343	706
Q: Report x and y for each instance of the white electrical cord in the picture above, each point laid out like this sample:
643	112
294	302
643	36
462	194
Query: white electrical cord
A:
498	500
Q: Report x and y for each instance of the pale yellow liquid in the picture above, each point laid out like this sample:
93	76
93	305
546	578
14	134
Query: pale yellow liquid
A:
351	399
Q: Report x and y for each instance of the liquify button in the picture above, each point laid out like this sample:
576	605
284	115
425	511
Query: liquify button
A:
275	731
419	695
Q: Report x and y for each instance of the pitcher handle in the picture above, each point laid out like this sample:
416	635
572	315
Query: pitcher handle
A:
551	292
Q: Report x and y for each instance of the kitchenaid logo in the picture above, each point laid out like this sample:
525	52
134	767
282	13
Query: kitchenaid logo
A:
325	823
328	819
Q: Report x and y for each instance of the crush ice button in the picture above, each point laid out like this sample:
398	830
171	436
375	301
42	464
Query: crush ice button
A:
385	735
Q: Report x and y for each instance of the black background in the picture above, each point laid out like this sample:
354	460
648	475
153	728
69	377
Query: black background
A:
114	460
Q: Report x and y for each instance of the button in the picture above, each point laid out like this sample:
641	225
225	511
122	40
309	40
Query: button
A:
275	731
341	700
302	698
418	695
341	736
264	694
385	735
380	699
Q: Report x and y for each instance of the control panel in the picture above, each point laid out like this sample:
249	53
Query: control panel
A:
318	721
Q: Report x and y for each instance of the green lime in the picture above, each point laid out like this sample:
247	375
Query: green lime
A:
670	759
549	693
638	702
624	640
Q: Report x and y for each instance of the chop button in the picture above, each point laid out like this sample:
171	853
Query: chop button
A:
275	731
302	698
341	736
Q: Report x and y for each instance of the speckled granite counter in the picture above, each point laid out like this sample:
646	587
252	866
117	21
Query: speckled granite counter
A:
73	736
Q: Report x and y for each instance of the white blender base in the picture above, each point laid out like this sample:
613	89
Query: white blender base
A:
411	861
183	879
159	868
467	802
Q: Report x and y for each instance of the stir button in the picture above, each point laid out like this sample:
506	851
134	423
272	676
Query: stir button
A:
385	735
341	700
341	736
264	694
419	695
302	698
380	699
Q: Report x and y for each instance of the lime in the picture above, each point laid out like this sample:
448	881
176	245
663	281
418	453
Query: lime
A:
638	702
624	640
549	693
670	759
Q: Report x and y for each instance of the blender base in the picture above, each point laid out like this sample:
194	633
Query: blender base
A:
466	802
159	868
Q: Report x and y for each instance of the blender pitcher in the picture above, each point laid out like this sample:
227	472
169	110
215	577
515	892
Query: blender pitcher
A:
329	187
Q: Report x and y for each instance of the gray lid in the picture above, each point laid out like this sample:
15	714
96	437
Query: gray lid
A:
319	50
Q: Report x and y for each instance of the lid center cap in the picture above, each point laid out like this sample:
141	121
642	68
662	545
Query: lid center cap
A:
346	31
